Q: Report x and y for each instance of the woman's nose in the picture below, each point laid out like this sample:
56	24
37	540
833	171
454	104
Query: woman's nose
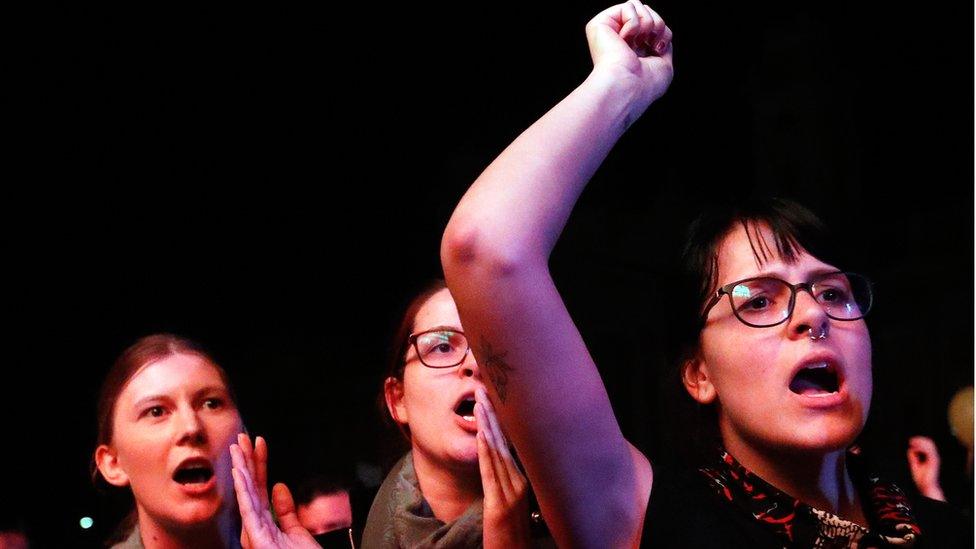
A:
190	427
469	368
808	315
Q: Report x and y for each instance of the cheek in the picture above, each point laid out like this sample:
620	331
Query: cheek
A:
420	396
738	365
225	431
142	452
420	407
859	359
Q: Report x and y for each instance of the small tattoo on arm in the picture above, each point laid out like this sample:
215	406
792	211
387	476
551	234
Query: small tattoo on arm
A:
493	362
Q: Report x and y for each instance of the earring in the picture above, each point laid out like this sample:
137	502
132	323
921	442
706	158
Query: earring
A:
822	335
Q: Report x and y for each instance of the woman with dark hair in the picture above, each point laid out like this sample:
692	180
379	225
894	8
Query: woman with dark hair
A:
458	486
166	419
772	341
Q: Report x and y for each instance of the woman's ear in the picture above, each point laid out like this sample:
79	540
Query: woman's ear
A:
107	461
695	377
393	391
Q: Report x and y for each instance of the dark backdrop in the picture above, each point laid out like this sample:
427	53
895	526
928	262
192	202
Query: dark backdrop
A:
274	182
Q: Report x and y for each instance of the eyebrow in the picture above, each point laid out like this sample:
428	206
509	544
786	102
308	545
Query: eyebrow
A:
203	390
779	274
440	329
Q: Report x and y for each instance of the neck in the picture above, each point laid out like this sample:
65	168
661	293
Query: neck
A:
448	491
219	533
819	480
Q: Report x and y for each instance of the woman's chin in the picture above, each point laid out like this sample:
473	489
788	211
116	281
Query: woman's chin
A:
466	455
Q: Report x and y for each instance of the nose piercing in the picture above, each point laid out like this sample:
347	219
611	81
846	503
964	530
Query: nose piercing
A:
823	333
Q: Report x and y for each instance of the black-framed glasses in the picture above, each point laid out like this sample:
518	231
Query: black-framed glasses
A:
440	348
767	301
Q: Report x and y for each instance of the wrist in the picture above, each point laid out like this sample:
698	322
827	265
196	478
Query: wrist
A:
620	93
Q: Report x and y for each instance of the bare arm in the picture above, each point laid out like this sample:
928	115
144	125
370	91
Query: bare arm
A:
592	485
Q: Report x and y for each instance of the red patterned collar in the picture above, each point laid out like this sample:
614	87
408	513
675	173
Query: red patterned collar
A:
800	525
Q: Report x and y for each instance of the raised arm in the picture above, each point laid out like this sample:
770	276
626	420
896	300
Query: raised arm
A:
591	484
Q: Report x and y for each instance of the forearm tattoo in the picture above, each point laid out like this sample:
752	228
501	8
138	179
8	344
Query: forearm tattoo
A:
493	362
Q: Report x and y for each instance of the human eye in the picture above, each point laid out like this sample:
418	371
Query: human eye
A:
437	343
833	290
757	303
155	411
444	347
830	295
754	296
213	403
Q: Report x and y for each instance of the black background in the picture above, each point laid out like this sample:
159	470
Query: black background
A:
274	183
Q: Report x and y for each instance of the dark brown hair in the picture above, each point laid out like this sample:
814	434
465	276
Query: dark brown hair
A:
396	358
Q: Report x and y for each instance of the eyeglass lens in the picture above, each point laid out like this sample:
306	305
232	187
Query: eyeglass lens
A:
442	349
766	301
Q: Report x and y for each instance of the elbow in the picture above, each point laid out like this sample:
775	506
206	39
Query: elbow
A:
469	249
459	245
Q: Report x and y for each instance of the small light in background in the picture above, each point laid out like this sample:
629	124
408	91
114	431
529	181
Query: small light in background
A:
86	522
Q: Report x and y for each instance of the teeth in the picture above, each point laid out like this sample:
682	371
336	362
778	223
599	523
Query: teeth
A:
467	418
817	366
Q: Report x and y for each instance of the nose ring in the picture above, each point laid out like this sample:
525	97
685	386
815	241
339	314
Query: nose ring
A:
822	335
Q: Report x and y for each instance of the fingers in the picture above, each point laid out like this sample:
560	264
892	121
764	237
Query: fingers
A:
922	451
643	29
923	444
506	473
252	514
914	458
245	504
489	483
495	430
245	488
650	25
498	472
256	461
630	23
658	35
261	468
244	442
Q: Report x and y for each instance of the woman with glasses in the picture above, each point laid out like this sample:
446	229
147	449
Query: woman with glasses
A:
772	344
458	486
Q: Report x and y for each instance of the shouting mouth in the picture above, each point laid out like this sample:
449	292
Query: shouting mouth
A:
464	414
816	378
194	475
465	408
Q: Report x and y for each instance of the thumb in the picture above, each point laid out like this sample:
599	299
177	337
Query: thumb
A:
284	506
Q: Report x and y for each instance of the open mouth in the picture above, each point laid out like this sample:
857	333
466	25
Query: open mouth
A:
817	378
193	471
465	408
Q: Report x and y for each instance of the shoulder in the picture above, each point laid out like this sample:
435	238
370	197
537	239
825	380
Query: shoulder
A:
683	511
379	522
942	524
132	541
